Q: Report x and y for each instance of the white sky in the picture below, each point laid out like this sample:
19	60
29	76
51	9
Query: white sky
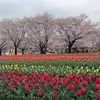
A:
59	8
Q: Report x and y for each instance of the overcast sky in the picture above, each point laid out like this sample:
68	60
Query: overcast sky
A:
59	8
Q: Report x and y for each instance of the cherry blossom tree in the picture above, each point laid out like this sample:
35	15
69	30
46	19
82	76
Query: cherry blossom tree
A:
42	28
14	30
73	29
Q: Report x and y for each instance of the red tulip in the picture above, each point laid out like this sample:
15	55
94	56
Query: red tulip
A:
45	85
3	75
83	75
54	82
76	76
42	79
65	81
97	95
40	94
10	86
84	83
50	84
26	77
8	76
17	83
48	78
43	73
20	73
92	76
6	80
27	88
49	73
33	80
53	94
56	87
23	81
57	77
69	87
68	77
36	73
78	92
29	84
74	83
97	80
97	86
61	81
88	79
76	80
81	79
83	90
36	86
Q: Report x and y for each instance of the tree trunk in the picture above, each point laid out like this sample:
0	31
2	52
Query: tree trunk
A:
22	51
70	45
69	48
42	51
15	50
0	52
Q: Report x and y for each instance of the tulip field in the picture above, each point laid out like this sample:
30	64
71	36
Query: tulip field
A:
50	77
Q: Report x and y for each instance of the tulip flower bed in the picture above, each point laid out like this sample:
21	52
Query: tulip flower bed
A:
46	86
55	67
50	77
51	57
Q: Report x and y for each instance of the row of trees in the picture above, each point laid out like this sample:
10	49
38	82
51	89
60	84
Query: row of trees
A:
44	32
